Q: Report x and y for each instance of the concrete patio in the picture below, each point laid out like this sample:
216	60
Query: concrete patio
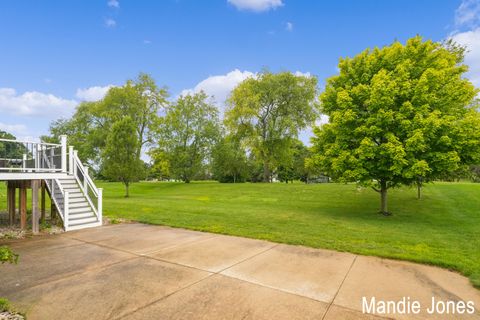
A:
136	271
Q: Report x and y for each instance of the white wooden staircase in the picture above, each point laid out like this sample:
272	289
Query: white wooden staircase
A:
74	194
80	211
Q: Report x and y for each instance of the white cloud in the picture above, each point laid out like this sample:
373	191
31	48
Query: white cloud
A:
110	23
220	86
256	5
468	14
93	93
15	129
113	3
471	39
289	26
32	103
303	74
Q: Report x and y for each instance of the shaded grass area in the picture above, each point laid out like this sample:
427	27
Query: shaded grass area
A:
443	228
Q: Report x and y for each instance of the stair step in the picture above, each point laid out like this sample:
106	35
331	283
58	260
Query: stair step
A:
86	225
77	222
83	204
79	210
70	194
69	185
73	200
76	216
67	179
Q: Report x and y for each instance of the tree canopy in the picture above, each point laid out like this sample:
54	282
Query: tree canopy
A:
186	134
229	160
140	99
398	114
268	111
120	159
10	150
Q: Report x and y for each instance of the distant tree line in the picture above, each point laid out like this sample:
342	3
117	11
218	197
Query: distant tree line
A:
403	114
186	140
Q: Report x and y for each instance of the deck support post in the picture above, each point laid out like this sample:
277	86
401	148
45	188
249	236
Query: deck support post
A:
53	209
42	202
11	201
19	185
35	211
23	205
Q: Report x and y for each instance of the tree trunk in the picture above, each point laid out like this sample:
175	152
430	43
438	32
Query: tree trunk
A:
266	172
127	191
383	198
419	190
234	178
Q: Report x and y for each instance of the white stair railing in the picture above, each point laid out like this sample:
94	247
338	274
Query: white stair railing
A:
93	194
55	189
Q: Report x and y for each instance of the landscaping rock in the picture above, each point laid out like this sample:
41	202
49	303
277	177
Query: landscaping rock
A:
11	316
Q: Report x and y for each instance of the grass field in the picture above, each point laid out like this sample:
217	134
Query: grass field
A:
441	229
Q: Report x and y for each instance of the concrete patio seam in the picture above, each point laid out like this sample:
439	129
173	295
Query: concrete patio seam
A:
209	271
181	244
246	259
340	286
164	297
203	279
140	255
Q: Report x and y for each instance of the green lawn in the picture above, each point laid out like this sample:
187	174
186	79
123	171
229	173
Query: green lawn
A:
441	229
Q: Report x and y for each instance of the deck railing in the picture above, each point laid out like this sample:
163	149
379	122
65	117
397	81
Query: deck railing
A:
32	157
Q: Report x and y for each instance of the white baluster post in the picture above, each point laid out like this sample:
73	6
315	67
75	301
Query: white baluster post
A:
65	210
100	204
70	156
85	181
75	156
63	141
24	162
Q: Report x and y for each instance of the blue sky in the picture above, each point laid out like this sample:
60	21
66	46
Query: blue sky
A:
54	54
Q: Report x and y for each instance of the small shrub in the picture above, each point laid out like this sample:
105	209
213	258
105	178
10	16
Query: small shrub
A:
7	255
5	305
45	225
115	221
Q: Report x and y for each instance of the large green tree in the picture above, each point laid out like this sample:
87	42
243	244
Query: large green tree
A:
294	168
9	150
140	99
398	114
229	160
186	135
83	133
120	159
268	111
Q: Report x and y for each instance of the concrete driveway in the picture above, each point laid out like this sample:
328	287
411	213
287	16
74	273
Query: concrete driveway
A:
136	271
